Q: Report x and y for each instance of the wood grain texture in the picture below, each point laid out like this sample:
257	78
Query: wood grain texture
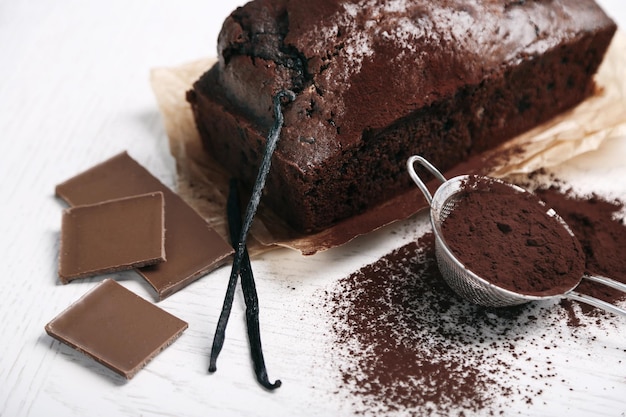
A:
74	92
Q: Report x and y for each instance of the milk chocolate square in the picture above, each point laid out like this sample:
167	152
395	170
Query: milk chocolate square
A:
116	327
193	248
112	236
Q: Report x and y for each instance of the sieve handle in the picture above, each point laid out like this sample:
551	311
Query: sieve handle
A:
592	301
410	164
584	298
606	281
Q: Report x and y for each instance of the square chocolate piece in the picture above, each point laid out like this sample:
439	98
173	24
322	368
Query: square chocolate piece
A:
112	236
116	327
193	247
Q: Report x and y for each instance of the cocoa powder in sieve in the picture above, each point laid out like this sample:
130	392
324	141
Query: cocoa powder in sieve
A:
408	345
505	237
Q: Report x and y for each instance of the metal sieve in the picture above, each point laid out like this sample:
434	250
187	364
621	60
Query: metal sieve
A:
461	279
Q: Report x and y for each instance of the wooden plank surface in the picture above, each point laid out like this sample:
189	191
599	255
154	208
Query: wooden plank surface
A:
74	91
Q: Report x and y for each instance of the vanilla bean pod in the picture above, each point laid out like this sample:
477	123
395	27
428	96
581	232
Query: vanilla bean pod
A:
240	245
249	292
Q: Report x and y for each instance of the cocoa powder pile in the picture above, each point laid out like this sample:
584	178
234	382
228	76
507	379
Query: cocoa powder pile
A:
600	227
505	237
406	344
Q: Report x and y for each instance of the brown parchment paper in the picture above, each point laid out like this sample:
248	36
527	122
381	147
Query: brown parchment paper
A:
205	185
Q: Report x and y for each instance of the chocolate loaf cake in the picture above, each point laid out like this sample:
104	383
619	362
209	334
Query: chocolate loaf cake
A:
377	81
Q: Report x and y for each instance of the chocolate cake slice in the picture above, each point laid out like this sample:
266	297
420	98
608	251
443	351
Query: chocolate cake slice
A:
377	81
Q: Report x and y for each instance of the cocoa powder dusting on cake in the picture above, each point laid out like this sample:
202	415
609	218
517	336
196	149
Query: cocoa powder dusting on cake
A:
378	81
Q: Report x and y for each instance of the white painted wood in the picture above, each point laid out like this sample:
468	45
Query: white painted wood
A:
73	91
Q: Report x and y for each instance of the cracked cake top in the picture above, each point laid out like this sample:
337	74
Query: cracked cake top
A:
342	57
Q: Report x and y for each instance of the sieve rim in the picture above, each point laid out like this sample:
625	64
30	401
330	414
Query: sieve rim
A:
490	294
454	186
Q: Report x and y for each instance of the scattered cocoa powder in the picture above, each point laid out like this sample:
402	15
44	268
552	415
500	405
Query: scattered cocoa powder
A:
505	237
601	231
409	345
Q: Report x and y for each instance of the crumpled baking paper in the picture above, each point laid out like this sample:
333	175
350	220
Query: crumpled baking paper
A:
204	184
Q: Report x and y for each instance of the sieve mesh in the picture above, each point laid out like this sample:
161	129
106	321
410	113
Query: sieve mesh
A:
462	280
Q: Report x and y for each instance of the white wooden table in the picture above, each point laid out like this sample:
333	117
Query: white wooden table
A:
74	90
